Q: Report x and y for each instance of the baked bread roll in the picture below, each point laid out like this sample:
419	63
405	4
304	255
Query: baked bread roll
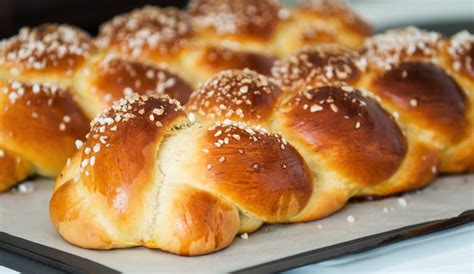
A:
412	71
126	186
39	116
321	21
234	34
458	60
250	24
107	79
149	34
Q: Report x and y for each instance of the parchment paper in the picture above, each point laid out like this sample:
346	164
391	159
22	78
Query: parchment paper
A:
25	215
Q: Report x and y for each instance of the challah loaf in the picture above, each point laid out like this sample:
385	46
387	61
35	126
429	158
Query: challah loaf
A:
341	139
126	186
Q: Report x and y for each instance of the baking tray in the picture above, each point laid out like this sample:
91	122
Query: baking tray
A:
447	202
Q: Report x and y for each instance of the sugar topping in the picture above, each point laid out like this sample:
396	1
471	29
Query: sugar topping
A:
318	66
130	107
351	219
402	202
16	90
233	94
165	30
229	131
344	101
461	51
46	46
104	125
251	17
394	46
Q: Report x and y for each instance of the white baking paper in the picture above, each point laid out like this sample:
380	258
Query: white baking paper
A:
25	215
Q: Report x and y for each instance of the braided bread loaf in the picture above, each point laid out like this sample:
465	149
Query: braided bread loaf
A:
142	52
339	142
126	186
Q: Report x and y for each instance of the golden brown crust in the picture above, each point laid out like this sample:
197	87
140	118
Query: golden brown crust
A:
257	170
149	32
202	223
40	123
113	174
114	78
217	59
354	135
46	49
337	9
241	95
412	72
419	168
256	19
319	66
424	94
73	218
134	122
12	169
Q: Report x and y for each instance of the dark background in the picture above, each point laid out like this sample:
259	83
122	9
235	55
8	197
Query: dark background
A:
87	14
